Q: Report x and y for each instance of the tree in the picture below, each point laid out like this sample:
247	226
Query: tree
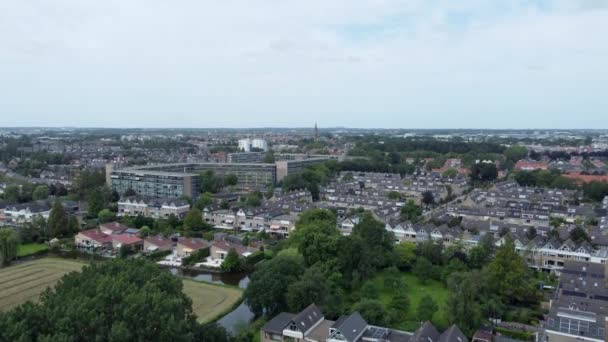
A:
232	262
194	220
392	279
95	203
450	173
411	212
371	310
423	269
509	277
426	308
41	192
152	307
579	235
231	179
204	200
254	199
9	243
130	192
145	231
531	233
485	172
463	307
58	223
105	216
313	287
400	302
369	290
379	243
210	182
394	195
266	293
316	236
428	198
12	193
405	255
516	152
269	157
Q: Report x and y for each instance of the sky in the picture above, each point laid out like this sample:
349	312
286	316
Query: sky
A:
287	63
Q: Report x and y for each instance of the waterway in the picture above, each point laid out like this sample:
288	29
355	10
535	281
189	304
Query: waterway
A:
238	318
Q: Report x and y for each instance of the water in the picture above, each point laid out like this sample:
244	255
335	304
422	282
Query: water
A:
238	318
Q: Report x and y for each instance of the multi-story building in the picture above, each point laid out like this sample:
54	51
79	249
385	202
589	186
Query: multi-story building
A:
153	182
286	167
246	157
247	145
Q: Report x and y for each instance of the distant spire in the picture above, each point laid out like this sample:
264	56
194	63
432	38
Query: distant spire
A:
316	131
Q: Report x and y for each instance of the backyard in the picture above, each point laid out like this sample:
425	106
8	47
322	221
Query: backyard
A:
31	248
27	280
415	291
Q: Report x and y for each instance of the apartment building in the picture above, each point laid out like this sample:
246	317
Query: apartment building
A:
246	157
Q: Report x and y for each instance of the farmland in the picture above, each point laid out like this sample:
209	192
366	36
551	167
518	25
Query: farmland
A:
26	281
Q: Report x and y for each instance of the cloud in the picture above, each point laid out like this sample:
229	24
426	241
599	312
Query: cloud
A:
254	63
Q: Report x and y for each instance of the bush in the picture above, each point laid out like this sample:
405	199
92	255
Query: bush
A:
195	257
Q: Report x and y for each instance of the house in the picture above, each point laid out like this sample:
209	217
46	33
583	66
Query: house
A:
219	249
158	243
92	239
26	212
112	228
186	246
525	165
126	240
310	325
152	207
580	310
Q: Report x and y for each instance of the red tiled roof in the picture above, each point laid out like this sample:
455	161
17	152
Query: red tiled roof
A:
113	226
158	241
193	244
577	177
96	235
126	239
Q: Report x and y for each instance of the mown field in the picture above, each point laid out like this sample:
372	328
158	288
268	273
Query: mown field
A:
26	281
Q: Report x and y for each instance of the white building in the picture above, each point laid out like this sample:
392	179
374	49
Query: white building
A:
246	145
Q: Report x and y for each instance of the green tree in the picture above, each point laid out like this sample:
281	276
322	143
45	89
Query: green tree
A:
423	269
269	157
153	307
411	211
9	243
450	173
509	277
12	193
392	279
41	192
194	220
485	172
369	290
145	231
270	282
372	311
426	308
405	255
579	235
463	307
58	223
394	195
312	287
400	302
516	152
204	200
231	179
232	262
428	198
316	236
95	203
105	216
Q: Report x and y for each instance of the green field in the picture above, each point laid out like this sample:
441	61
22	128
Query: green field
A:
31	248
26	281
415	291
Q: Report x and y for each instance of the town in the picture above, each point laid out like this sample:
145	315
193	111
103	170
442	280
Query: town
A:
341	234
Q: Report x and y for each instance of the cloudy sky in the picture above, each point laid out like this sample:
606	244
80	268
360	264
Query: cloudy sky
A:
260	63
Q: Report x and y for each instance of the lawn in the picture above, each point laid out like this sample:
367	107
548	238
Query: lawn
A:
416	291
31	248
26	281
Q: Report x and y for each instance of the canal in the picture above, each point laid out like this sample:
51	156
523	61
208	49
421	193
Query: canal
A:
239	317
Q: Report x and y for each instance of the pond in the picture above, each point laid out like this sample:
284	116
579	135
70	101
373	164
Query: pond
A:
241	315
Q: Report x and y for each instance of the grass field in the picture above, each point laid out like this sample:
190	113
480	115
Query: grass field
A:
31	248
416	291
26	281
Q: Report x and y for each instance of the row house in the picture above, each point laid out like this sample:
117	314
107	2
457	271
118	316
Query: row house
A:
103	239
152	207
186	246
25	212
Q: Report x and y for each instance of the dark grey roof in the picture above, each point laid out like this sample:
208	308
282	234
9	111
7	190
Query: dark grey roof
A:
308	318
453	334
351	326
278	323
426	333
